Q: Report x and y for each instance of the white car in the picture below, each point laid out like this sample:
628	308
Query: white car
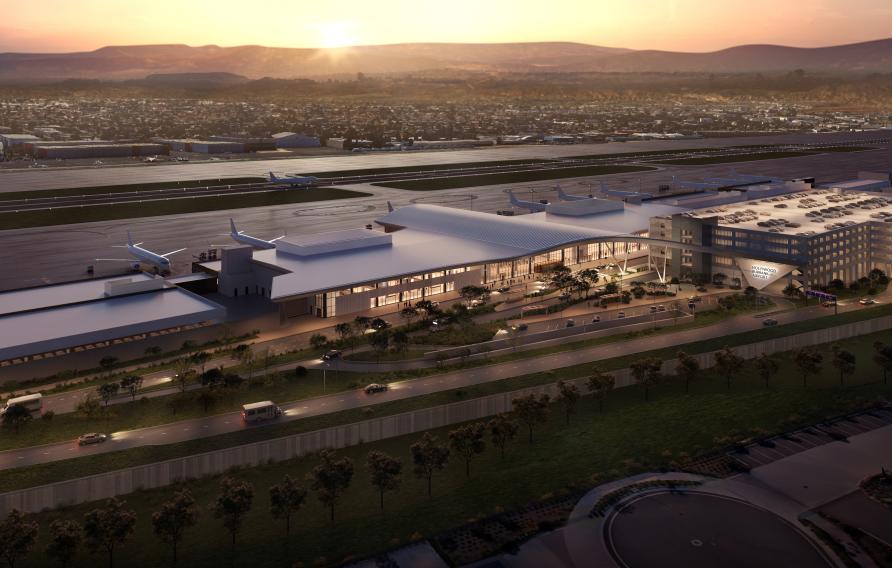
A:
91	438
867	301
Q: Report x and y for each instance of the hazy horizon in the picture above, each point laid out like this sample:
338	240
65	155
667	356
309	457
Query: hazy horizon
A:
56	26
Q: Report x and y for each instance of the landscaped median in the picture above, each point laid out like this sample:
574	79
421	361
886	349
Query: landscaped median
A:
631	436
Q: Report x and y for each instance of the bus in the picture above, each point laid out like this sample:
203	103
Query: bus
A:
32	402
257	411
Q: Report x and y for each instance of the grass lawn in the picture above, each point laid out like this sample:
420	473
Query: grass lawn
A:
372	357
44	218
126	188
630	436
705	160
425	168
513	177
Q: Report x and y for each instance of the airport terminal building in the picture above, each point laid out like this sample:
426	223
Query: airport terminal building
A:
785	232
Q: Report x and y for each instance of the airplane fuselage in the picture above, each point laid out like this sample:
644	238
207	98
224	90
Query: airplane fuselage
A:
148	256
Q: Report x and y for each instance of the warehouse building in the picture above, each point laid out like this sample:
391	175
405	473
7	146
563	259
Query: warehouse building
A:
55	320
295	140
52	150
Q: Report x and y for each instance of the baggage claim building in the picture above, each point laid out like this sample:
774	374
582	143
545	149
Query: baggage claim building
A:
761	235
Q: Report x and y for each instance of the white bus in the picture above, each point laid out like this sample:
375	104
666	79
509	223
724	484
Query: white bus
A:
257	411
32	402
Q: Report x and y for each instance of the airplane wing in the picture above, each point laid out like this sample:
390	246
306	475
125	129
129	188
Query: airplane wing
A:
277	238
171	252
125	246
116	260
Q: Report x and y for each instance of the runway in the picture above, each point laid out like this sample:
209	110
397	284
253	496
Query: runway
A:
52	178
54	254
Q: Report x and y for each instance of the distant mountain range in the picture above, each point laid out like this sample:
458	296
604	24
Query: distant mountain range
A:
252	62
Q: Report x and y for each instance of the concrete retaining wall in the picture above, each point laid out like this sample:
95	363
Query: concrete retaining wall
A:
160	474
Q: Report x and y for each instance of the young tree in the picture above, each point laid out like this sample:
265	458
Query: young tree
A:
568	395
384	473
153	350
132	384
232	504
400	340
174	517
502	429
318	341
428	457
471	293
808	360
883	358
17	537
728	364
344	331
590	275
109	528
767	367
467	441
182	369
409	314
844	361
361	324
107	363
200	358
330	479
688	368
65	539
108	391
532	410
286	499
15	416
647	373
600	385
380	341
791	291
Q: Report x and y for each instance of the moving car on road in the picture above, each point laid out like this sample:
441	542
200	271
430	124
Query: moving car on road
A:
91	438
257	411
375	387
769	322
867	301
331	354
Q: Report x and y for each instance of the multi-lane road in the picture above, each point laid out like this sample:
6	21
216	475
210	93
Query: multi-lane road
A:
231	422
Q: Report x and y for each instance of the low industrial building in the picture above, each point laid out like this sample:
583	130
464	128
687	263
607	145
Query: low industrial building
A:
52	150
51	321
295	140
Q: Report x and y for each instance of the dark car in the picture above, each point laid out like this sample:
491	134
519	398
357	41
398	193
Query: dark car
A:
332	354
379	324
375	387
503	290
770	322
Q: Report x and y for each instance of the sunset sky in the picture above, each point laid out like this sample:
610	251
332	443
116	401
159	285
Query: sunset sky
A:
680	25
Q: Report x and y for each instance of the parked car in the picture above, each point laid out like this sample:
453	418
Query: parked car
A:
596	319
331	354
701	289
503	290
375	387
570	323
91	438
379	324
620	315
867	301
769	322
653	309
661	308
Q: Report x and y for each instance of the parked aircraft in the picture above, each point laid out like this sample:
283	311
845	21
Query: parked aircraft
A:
533	206
567	197
159	260
241	237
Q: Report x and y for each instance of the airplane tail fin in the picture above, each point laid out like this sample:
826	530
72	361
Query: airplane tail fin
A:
512	198
129	238
232	226
272	177
389	207
561	193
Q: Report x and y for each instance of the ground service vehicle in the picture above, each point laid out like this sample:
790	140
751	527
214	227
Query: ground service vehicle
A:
259	411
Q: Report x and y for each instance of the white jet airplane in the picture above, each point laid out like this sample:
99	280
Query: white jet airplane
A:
533	206
568	197
241	237
299	181
145	255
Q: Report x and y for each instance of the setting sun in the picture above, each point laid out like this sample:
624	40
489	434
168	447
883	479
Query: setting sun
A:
336	34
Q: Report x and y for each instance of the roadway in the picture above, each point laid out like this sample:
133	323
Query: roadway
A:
231	422
62	253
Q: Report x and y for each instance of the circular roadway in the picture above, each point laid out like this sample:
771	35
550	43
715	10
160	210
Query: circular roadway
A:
697	530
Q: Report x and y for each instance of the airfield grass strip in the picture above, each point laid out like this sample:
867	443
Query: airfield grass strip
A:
426	168
70	215
78	467
126	188
509	177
